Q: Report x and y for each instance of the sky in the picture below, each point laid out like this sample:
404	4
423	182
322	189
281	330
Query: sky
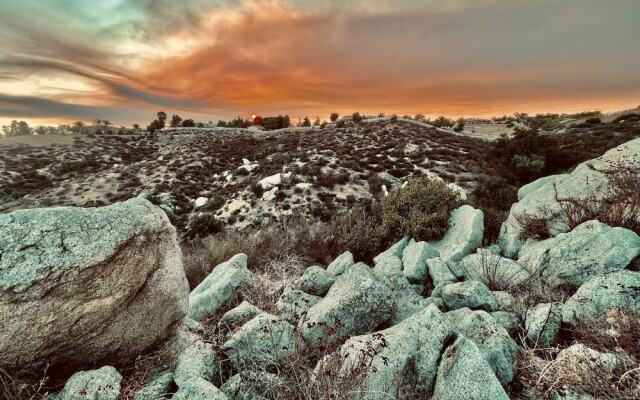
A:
124	60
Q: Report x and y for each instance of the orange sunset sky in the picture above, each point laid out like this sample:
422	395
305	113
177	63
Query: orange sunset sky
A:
65	60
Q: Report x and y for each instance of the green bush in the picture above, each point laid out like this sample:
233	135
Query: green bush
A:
202	225
421	210
67	166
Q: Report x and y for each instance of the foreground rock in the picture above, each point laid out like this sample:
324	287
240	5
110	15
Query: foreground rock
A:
464	236
99	384
212	293
87	285
471	294
355	304
588	180
570	259
404	356
501	270
543	324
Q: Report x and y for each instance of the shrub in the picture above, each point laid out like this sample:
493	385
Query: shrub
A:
203	225
356	117
421	210
67	166
334	117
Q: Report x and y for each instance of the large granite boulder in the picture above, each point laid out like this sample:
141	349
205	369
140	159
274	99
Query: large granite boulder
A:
87	285
464	236
570	259
540	198
212	293
316	281
542	324
616	290
471	294
414	260
355	304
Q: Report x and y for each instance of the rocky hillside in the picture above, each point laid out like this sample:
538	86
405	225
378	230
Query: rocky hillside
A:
551	312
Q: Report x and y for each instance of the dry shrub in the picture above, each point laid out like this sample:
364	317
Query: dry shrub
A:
534	225
135	377
22	388
488	269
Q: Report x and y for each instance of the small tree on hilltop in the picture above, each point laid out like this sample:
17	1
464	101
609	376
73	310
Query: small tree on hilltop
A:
459	126
306	121
317	121
356	117
176	120
334	117
188	123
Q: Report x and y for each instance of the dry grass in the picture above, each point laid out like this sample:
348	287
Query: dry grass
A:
14	388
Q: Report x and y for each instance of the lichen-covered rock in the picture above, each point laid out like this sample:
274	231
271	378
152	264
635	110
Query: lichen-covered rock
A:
465	374
395	250
471	294
238	316
592	248
542	324
87	285
355	304
293	304
389	265
587	180
157	389
212	293
316	281
265	339
404	356
252	385
406	302
439	271
414	260
535	185
340	264
464	236
99	384
508	321
197	360
504	300
616	290
198	389
498	348
485	264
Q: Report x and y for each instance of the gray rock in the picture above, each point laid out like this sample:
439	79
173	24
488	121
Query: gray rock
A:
99	384
157	389
389	265
504	300
197	360
355	304
395	250
238	316
198	389
252	385
404	356
87	285
465	374
588	180
498	348
217	288
508	320
486	266
263	340
294	304
464	236
316	281
406	302
340	264
414	259
592	248
439	271
535	185
542	324
471	294
616	290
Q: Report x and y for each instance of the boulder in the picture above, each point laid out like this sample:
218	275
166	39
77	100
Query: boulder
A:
294	304
588	180
212	293
340	264
486	265
508	320
471	294
270	181
404	356
200	202
465	374
156	389
616	290
395	250
355	304
316	281
439	271
504	300
263	340
464	236
542	324
198	389
238	316
404	298
198	360
535	185
389	265
592	248
87	285
414	260
99	384
494	342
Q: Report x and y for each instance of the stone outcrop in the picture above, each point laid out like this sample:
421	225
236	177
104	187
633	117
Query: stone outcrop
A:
87	285
464	236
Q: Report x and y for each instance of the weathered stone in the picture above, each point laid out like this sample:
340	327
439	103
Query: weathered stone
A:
395	250
404	356
504	300
238	316
508	321
592	248
99	384
294	304
405	300
389	265
198	389
197	360
498	348
212	293
157	389
87	285
316	281
484	265
616	290
465	374
535	185
471	294
542	324
355	304
251	385
340	264
587	181
464	236
265	339
414	260
439	271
